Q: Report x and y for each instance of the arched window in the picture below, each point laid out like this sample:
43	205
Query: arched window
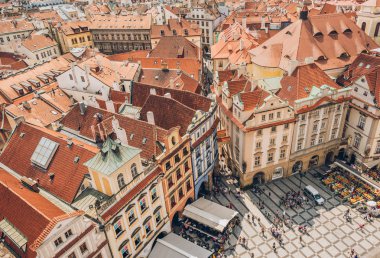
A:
377	30
363	26
120	181
134	170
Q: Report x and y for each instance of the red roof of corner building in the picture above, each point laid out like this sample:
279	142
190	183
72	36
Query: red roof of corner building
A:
38	42
139	129
115	208
175	47
140	93
179	26
168	113
298	85
253	98
312	38
28	211
68	175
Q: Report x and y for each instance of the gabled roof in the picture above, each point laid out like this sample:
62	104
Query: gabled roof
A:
28	211
140	93
37	42
168	113
66	164
336	45
174	47
253	98
179	26
87	125
299	84
111	157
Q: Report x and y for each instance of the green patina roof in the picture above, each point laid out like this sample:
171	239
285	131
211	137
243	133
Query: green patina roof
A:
111	157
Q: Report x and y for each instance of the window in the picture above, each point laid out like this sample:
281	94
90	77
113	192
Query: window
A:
82	79
303	117
315	126
333	134
124	251
270	157
186	166
357	140
185	151
361	122
179	174
72	255
167	165
177	158
336	120
134	170
188	185
257	160
263	118
172	201
286	126
180	193
278	114
71	77
44	152
273	129
131	216
284	138
363	26
259	132
356	89
320	140
272	141
142	203
154	194
282	153
271	116
58	241
312	142
157	217
299	145
137	239
83	248
147	227
118	228
377	151
170	181
68	233
120	181
323	124
258	144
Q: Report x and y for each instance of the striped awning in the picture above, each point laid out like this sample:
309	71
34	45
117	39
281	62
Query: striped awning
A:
13	234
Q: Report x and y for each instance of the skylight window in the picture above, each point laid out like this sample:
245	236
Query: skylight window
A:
44	153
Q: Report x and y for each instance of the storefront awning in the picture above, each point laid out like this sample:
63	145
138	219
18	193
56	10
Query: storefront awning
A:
174	246
13	234
355	173
210	214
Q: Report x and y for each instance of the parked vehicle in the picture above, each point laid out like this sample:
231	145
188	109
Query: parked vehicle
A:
313	194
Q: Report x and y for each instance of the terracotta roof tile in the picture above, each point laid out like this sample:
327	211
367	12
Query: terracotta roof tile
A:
174	47
68	174
37	42
253	98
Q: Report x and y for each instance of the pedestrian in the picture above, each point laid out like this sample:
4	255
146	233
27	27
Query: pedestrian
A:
253	219
269	194
258	219
263	231
252	255
274	247
301	240
249	217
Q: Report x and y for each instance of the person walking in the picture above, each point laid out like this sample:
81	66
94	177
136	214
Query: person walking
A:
274	247
253	219
301	240
263	231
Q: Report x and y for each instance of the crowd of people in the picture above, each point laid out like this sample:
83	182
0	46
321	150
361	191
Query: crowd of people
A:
293	199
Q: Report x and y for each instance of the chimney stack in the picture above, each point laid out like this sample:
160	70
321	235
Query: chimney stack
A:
82	108
150	117
168	95
152	91
244	22
304	12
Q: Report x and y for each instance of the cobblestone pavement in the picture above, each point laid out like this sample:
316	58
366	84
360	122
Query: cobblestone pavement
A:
329	235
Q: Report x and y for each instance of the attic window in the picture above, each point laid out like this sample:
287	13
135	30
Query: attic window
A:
318	34
289	88
360	64
287	56
186	32
344	55
76	159
367	66
333	33
288	33
348	30
144	140
321	58
131	136
44	152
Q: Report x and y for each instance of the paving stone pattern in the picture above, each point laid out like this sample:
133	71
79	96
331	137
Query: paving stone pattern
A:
329	234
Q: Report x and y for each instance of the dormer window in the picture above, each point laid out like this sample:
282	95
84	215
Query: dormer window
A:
333	33
186	32
348	30
44	152
174	33
318	34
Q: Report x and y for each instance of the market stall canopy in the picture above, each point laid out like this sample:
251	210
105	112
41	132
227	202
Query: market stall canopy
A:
174	246
372	163
371	204
210	214
13	234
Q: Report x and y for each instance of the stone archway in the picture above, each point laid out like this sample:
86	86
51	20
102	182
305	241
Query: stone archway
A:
259	178
202	190
313	162
297	167
329	158
341	154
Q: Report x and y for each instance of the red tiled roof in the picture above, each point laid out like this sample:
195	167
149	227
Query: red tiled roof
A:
253	98
28	211
84	124
174	47
68	175
140	93
130	195
168	113
299	84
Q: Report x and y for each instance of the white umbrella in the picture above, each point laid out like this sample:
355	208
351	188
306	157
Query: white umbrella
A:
371	204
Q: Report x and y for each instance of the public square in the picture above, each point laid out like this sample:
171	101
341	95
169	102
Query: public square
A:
329	234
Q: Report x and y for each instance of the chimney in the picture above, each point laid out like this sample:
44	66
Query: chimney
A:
241	44
304	12
266	30
292	66
168	95
244	22
82	108
262	23
150	117
152	91
120	132
309	60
